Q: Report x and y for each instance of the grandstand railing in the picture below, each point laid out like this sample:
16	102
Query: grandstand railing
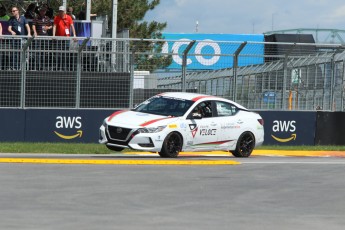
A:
55	72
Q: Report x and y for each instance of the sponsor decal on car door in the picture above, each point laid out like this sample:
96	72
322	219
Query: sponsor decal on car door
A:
204	133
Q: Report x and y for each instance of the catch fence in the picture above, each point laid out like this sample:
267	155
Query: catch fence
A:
47	72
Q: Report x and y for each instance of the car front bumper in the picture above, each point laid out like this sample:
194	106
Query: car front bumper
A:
151	142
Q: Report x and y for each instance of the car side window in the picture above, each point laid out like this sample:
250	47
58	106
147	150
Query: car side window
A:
204	109
225	109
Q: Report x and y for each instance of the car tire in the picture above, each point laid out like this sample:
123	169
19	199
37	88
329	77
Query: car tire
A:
172	145
245	145
115	148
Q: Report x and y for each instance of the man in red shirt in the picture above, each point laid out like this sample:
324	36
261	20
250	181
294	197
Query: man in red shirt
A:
63	23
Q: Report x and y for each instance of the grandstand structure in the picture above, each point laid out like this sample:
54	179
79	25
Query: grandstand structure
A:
321	35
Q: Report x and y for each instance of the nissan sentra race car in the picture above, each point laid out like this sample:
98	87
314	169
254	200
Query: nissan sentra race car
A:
172	122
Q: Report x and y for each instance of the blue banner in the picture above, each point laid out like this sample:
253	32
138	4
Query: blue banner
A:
211	50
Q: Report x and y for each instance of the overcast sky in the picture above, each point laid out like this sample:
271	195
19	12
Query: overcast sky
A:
248	16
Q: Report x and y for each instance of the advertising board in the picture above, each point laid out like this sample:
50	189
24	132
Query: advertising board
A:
211	51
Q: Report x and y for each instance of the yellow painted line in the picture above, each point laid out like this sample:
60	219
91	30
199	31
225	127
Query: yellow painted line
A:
299	153
212	153
117	162
260	152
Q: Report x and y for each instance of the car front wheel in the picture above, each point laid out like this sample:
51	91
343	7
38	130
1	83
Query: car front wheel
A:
245	145
172	145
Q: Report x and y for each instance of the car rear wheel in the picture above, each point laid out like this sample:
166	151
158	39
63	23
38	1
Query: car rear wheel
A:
245	145
115	148
172	145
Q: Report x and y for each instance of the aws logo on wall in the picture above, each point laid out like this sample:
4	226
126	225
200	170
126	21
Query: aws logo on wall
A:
284	131
68	127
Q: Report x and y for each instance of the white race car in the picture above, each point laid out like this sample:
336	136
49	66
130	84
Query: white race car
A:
169	123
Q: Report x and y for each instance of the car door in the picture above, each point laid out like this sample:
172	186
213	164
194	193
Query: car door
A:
203	130
229	121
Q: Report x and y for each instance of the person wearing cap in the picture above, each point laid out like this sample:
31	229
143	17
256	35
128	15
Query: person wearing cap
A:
63	23
41	27
42	24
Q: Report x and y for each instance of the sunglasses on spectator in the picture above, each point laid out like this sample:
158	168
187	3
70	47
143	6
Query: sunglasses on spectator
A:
14	10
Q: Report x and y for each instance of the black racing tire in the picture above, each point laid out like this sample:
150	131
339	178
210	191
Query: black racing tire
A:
245	145
172	145
115	148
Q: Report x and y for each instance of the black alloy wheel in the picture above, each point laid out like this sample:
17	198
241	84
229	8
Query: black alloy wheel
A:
245	145
172	145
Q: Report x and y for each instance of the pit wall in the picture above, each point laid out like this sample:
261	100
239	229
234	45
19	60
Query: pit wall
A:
81	126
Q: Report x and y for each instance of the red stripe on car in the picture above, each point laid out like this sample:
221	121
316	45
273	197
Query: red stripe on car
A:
200	97
215	143
115	114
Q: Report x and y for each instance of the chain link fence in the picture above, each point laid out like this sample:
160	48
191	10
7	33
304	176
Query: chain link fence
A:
46	72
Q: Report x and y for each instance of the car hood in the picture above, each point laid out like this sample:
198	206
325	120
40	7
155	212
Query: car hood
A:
137	119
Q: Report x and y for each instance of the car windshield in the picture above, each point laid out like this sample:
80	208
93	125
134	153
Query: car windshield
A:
166	106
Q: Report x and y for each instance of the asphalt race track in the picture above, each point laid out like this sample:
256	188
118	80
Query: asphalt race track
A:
270	190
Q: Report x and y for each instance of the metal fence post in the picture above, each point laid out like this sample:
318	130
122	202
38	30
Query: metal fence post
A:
131	82
184	64
333	80
236	54
79	63
23	70
286	59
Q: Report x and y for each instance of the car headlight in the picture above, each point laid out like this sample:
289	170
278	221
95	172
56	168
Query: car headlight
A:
151	129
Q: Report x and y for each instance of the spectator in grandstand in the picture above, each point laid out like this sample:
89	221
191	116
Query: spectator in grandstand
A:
63	23
41	27
18	25
0	29
42	24
70	12
3	14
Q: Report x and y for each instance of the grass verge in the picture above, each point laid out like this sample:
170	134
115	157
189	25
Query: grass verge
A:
80	148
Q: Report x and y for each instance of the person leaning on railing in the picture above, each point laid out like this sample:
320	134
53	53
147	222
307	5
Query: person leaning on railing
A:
42	26
17	25
63	23
62	26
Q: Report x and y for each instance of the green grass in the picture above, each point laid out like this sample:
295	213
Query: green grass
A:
80	148
75	148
